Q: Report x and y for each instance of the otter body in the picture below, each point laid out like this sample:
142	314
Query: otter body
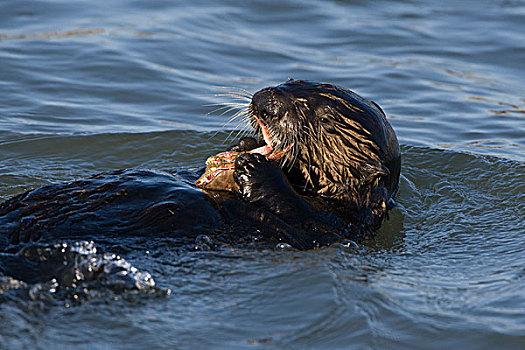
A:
336	180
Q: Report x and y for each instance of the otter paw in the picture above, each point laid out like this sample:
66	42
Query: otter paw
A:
256	176
246	144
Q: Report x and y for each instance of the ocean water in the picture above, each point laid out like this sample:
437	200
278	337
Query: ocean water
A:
92	86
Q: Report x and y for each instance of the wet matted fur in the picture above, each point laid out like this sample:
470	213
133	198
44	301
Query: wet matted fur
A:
336	180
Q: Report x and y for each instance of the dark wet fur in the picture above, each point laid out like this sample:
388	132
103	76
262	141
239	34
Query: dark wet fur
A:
344	154
336	182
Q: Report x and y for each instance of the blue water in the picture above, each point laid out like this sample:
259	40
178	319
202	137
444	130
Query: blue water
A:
91	86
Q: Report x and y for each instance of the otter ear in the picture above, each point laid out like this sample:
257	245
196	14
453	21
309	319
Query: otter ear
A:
290	80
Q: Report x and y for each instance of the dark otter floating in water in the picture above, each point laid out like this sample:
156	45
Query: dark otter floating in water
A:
336	178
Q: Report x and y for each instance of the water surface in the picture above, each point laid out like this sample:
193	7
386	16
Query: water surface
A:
91	86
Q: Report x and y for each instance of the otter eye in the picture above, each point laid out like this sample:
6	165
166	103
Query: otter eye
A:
324	120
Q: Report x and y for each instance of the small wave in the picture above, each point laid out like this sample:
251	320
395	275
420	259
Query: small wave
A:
71	273
54	34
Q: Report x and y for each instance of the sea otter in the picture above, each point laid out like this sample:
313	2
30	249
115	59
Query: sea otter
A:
335	177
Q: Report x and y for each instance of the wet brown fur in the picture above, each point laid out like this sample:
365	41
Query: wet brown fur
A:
344	160
344	150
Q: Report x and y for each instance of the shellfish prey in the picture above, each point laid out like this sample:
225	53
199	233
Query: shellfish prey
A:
218	175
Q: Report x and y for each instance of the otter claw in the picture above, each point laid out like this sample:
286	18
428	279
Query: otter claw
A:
253	173
246	144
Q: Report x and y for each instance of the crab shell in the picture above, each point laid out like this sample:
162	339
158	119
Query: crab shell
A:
219	173
219	169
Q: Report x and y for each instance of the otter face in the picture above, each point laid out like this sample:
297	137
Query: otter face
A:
337	141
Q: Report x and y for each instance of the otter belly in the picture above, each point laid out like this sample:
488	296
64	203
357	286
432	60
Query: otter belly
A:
131	202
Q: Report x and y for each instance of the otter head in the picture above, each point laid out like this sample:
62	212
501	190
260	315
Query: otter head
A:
338	144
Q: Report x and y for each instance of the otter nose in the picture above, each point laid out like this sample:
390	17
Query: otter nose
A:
269	104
